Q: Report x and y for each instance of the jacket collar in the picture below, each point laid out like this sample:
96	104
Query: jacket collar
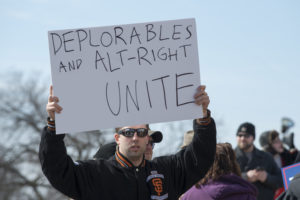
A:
124	162
255	152
239	152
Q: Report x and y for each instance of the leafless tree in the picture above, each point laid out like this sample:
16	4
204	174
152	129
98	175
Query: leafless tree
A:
22	118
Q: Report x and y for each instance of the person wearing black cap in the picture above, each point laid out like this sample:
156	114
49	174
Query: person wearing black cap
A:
128	175
155	137
108	150
258	167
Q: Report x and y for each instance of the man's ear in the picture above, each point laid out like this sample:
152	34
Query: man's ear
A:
117	137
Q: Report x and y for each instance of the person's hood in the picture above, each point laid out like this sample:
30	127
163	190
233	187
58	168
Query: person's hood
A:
229	186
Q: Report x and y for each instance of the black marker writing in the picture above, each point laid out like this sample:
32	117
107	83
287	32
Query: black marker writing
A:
179	88
99	58
163	87
81	39
150	32
136	102
56	49
135	34
107	101
72	65
118	35
65	41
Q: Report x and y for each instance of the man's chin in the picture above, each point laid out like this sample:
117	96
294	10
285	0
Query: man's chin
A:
148	156
245	147
135	154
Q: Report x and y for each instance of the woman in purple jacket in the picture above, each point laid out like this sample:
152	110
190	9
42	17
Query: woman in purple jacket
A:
223	181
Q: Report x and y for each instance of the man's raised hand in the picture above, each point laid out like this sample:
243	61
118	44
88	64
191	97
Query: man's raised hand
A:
52	105
201	98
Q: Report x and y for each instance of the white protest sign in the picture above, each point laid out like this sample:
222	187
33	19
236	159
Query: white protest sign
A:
122	75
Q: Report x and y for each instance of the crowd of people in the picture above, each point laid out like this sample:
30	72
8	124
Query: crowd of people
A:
259	170
201	169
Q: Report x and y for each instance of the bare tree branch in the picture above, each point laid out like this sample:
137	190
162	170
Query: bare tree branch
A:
22	118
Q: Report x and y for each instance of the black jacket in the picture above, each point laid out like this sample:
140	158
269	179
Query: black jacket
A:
162	178
265	161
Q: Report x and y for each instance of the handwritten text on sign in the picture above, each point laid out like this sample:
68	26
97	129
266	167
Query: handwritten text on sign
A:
125	75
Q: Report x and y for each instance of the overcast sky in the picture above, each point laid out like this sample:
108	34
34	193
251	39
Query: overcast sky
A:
249	51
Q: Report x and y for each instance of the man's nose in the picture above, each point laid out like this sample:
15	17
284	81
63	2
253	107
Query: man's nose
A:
243	138
135	136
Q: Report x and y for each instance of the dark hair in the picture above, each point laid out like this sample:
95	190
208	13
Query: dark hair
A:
271	136
118	128
225	163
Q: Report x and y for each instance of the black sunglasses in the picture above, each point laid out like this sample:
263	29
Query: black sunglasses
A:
129	132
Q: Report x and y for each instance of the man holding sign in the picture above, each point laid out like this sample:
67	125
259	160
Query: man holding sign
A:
128	175
131	74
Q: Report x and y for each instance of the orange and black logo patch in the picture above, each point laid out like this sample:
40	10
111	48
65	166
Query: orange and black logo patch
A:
157	183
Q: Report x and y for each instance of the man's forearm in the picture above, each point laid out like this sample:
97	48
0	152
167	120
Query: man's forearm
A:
205	120
57	166
203	147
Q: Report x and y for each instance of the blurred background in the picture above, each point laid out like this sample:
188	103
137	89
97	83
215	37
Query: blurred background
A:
249	61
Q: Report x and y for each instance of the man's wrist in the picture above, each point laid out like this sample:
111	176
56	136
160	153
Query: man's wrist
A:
50	124
205	120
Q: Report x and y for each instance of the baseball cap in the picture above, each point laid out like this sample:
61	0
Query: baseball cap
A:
156	136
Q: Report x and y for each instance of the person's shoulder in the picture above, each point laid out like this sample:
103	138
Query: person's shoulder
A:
263	154
161	158
162	161
96	163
